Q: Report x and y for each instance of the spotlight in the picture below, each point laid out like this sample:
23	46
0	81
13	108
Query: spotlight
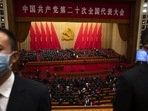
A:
144	10
2	19
1	5
143	21
145	5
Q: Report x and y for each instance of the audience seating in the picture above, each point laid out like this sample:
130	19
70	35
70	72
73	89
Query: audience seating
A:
67	54
84	89
74	88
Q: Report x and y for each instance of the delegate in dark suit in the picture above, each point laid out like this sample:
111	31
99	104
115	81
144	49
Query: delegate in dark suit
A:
28	95
16	93
132	90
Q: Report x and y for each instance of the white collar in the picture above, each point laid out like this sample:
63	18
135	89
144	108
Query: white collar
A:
5	88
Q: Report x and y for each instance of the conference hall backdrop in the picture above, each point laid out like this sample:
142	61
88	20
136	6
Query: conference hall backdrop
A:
77	35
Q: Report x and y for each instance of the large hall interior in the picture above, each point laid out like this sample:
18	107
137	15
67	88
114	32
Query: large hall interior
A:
78	49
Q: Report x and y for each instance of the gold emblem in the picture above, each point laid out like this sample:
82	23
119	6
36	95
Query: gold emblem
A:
67	35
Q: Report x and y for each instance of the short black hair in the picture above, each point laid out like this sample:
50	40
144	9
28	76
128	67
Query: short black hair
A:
11	37
144	37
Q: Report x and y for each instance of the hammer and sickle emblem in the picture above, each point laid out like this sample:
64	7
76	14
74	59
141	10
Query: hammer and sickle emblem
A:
67	35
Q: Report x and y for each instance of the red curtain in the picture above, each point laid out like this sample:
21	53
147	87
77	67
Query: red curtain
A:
79	38
90	37
85	37
99	38
43	38
38	42
48	37
55	41
43	35
94	38
32	39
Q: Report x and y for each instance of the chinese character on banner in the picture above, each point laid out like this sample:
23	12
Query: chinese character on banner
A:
32	9
69	8
109	11
103	11
47	8
40	9
90	11
55	9
63	9
25	8
97	11
83	10
121	12
77	10
116	12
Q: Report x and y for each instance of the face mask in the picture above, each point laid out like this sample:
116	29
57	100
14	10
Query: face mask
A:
4	63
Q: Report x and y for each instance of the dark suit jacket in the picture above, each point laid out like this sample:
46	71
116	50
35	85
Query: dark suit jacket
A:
132	90
28	95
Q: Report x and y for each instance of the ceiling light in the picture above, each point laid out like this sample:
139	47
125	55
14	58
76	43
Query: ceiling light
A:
144	10
145	5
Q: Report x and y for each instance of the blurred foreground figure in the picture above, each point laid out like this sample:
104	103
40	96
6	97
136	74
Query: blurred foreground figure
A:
132	87
16	93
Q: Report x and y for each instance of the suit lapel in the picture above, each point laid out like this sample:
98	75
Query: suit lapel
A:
17	96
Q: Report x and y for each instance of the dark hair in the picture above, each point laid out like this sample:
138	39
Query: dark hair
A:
144	37
11	38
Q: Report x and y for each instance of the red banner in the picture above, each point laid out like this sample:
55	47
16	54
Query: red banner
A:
46	8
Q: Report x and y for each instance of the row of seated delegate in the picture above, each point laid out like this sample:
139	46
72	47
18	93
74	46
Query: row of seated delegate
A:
81	91
66	54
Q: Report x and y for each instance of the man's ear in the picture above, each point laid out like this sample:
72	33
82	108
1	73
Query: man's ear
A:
15	57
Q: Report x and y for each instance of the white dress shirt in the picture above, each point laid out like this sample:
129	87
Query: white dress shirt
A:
5	90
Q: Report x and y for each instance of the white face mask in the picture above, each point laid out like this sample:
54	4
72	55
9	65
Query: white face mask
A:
4	63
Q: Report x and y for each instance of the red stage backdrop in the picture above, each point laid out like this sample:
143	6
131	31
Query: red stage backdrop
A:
89	38
46	8
41	38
